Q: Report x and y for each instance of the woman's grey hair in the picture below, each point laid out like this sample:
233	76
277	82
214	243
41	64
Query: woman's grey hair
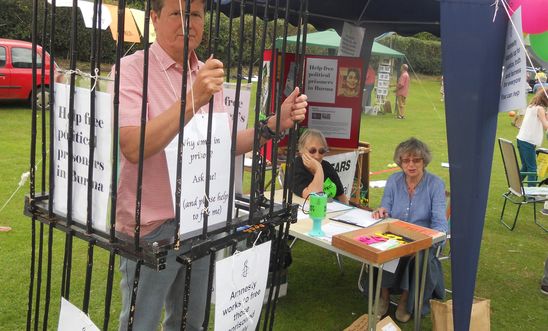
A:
311	133
414	147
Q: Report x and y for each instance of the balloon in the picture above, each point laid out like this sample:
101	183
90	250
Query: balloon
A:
533	15
514	4
539	44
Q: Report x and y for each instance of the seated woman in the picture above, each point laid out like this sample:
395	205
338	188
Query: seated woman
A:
417	197
313	174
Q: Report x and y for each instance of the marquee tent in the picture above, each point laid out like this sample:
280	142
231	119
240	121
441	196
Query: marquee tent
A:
473	39
331	39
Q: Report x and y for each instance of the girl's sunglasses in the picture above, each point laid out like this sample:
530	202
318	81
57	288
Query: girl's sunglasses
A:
321	150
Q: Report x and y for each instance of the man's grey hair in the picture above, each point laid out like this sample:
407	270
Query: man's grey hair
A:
311	133
157	5
412	147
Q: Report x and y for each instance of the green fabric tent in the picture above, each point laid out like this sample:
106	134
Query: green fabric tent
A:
331	39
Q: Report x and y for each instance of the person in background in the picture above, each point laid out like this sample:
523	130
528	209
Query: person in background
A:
160	294
369	84
312	173
402	89
540	76
540	84
415	196
442	90
531	134
351	83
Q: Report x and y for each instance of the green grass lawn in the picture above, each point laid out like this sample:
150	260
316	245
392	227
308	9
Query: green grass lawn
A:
320	297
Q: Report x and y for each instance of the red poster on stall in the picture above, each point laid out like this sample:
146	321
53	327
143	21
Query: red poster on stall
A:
334	87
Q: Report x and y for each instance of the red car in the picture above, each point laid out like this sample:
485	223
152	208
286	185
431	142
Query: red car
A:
16	71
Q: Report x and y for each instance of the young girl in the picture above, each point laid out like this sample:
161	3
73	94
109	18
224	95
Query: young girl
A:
531	133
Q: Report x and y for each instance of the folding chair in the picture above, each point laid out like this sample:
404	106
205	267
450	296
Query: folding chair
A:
517	193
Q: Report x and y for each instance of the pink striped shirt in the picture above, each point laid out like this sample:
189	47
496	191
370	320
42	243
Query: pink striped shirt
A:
403	84
156	202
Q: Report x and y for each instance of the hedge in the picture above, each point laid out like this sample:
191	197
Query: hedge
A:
16	17
424	56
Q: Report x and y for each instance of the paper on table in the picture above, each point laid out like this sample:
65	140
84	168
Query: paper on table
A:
331	207
301	215
377	183
335	206
358	217
332	229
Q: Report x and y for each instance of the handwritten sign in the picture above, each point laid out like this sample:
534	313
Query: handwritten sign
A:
321	79
512	92
193	177
71	318
229	99
80	137
240	284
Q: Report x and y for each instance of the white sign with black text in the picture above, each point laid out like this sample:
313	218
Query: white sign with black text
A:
351	40
240	284
193	174
80	158
512	91
345	165
331	121
229	100
320	80
71	318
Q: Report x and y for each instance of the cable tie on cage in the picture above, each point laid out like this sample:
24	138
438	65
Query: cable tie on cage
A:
79	72
206	209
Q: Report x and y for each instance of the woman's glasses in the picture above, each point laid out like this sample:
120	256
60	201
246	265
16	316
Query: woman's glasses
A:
415	160
320	150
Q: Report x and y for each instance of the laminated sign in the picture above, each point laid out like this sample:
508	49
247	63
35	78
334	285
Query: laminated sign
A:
240	284
80	158
193	174
71	318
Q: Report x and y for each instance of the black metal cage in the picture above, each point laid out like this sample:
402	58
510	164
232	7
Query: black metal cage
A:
256	208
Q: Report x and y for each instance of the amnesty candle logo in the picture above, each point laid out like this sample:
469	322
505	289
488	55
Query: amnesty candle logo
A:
245	269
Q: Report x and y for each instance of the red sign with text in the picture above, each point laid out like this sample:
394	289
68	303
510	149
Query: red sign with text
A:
334	87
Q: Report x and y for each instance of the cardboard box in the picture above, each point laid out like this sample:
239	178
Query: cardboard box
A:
386	324
347	242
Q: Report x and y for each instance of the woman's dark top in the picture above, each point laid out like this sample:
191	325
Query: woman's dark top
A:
302	177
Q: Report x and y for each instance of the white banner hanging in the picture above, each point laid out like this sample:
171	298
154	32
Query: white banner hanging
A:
240	285
71	318
512	92
193	176
102	163
345	165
